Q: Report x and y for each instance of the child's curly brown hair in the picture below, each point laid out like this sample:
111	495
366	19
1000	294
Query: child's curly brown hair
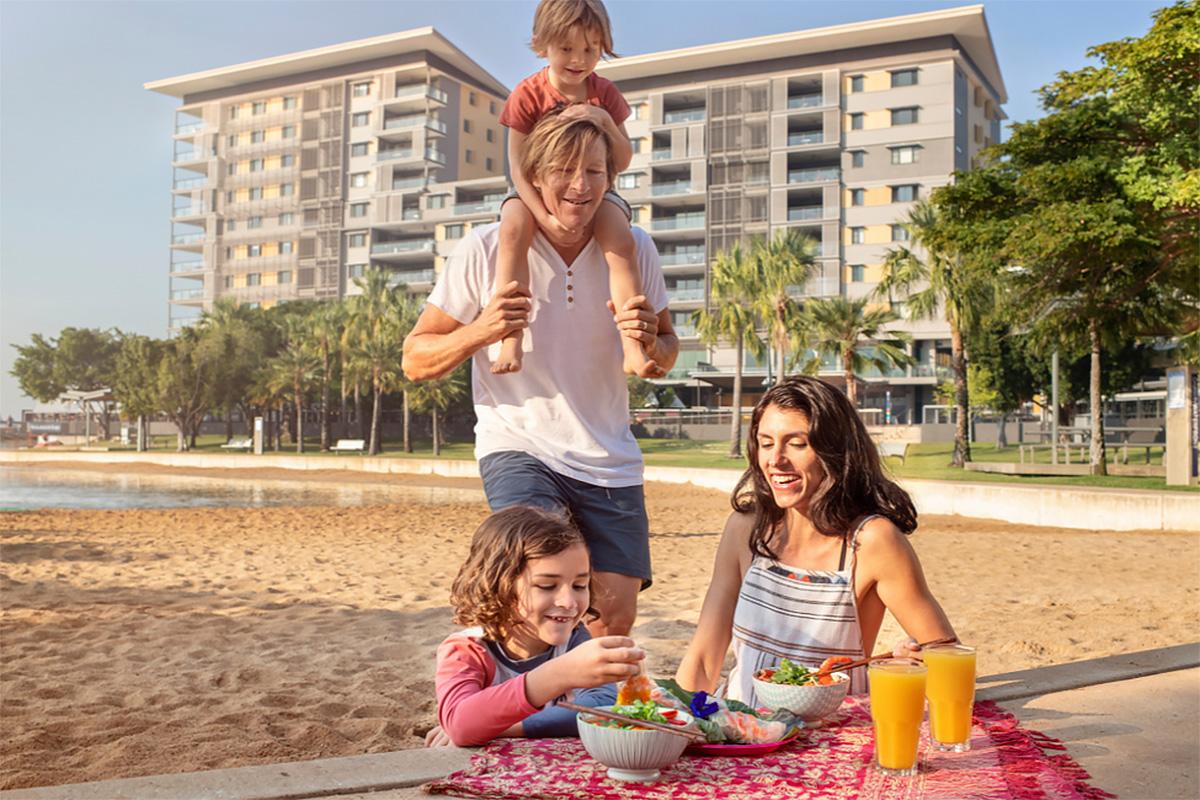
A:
484	592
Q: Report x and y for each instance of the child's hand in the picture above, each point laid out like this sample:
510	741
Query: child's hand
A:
437	738
554	226
605	660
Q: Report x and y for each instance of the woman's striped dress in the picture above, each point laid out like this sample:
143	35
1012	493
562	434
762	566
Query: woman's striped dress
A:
805	616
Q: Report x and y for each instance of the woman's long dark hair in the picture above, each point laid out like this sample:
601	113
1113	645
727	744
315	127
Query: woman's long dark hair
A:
854	484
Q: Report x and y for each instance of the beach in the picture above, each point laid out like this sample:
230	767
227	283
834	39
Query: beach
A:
139	642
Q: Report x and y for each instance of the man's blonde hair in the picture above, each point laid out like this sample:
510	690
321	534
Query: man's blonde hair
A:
560	143
554	19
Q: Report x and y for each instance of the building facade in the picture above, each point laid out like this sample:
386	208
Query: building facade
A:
294	175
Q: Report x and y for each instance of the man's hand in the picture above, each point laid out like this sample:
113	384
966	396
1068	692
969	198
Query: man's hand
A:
507	311
637	321
588	111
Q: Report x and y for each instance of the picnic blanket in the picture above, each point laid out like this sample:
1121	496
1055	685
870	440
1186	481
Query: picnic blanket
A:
1006	762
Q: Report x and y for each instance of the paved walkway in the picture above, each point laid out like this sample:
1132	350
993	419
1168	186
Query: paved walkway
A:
1132	721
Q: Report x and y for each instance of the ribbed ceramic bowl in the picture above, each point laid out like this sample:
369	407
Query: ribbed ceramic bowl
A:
630	755
809	703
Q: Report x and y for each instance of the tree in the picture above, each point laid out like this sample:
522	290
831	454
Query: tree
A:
855	335
939	280
34	369
325	331
436	395
235	339
184	379
782	267
295	368
135	381
80	359
378	318
730	318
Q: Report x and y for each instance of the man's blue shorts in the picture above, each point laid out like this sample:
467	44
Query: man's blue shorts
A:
613	521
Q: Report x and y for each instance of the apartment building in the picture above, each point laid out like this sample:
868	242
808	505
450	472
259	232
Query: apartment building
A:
835	132
292	174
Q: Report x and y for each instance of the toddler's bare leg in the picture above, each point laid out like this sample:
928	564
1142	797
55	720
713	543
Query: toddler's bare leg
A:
616	240
516	236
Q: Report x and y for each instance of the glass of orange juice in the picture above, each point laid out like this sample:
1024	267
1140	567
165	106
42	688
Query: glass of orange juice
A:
951	692
897	708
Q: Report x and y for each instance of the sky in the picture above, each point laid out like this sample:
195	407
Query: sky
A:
85	151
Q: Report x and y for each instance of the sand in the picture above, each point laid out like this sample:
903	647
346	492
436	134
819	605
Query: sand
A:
155	641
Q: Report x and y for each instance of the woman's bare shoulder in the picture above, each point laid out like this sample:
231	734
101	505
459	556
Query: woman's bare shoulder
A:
880	536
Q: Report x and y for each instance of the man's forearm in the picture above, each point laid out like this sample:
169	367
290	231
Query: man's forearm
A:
434	355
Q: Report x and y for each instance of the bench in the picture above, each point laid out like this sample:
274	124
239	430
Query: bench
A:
349	446
897	449
245	443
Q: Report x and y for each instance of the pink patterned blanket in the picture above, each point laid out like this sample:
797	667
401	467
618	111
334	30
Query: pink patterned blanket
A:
1005	762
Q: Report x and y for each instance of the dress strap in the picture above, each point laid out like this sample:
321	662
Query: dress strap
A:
858	530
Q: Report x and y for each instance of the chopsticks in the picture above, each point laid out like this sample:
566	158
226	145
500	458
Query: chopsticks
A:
696	736
865	661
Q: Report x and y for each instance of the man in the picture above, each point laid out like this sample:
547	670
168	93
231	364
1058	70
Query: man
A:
556	434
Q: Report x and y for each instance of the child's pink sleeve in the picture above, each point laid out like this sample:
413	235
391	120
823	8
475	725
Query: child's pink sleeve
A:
614	102
470	710
521	110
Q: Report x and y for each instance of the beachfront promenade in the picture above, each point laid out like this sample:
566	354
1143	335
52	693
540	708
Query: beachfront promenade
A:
1131	721
1040	505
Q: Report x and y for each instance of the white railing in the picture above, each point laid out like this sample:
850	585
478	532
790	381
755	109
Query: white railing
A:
683	115
685	295
674	259
678	222
805	101
813	175
412	246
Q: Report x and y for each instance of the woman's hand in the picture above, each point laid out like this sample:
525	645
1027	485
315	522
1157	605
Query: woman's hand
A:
906	648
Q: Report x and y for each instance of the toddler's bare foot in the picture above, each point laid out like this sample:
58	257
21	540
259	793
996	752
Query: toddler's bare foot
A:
636	363
510	356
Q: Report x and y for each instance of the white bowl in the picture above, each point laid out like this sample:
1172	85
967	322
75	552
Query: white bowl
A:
631	755
809	703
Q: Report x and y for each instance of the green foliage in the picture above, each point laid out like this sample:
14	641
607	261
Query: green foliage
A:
857	337
80	358
782	265
34	369
135	375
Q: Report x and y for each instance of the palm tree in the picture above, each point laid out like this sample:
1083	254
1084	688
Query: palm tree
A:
436	396
946	285
295	368
325	326
783	265
232	339
852	333
379	317
731	318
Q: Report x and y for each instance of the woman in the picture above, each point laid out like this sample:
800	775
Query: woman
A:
815	551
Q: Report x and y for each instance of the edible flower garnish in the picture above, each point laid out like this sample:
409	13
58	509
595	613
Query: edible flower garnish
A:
701	707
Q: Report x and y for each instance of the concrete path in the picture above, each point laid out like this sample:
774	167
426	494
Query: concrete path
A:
1132	721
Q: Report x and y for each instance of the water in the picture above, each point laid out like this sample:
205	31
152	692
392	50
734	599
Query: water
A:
22	489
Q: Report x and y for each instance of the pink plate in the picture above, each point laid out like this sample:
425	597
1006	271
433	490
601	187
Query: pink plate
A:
742	749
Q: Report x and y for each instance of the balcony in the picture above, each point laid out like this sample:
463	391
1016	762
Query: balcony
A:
483	207
435	156
684	331
188	238
805	101
801	213
188	156
190	183
678	222
414	121
680	259
189	127
420	91
685	295
683	115
393	155
187	294
409	183
817	175
400	248
411	213
194	210
805	137
674	187
661	154
187	266
412	277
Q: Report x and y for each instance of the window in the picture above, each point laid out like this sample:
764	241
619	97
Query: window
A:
256	165
254	250
287	132
361	89
905	194
229	197
469	156
858	197
454	231
258	108
287	189
472	98
905	155
856	83
904	77
289	103
488	165
358	180
858	235
492	107
286	218
638	145
233	112
356	240
285	248
857	273
360	149
637	110
360	119
435	201
254	193
231	169
253	279
905	116
231	225
256	137
228	281
490	135
254	222
466	126
232	140
899	233
283	276
629	180
358	209
355	270
858	158
287	160
856	121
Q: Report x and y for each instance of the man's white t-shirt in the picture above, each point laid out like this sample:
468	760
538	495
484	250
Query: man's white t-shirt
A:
568	406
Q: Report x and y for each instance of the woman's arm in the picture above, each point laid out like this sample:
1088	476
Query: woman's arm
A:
701	665
888	565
